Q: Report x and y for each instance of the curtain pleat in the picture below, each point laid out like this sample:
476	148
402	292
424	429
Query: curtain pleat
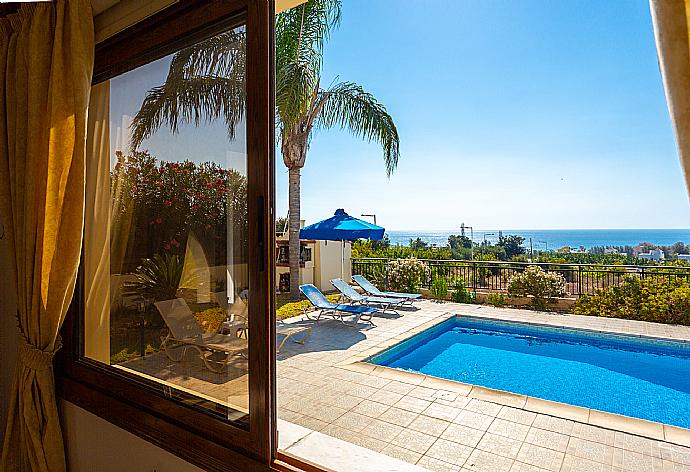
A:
47	63
670	19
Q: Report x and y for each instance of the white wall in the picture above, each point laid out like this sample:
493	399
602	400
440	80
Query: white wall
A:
93	444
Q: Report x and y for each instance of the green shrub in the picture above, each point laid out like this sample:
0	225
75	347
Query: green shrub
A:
496	299
439	288
543	287
406	275
461	294
650	299
157	278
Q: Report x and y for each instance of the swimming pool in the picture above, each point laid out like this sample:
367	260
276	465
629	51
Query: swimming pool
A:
632	376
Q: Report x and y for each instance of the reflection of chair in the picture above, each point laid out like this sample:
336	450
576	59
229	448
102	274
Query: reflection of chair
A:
235	323
336	311
184	329
284	329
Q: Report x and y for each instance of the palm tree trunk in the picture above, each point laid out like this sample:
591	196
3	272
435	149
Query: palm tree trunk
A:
293	232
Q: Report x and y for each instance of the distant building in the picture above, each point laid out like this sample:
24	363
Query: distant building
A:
653	255
684	257
609	250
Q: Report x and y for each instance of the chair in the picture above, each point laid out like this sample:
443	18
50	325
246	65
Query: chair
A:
284	329
235	323
239	324
336	311
184	329
386	303
371	289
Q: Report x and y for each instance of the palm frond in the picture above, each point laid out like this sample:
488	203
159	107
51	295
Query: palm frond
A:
301	33
347	105
205	82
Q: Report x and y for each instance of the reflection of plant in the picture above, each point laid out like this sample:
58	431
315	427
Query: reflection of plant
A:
650	299
544	287
439	288
169	200
157	278
407	274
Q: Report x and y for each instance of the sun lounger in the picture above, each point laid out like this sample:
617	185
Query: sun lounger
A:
386	303
235	323
371	289
337	311
183	329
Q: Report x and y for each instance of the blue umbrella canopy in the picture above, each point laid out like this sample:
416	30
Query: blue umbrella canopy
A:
342	227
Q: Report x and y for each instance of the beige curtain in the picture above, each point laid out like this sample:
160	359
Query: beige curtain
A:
45	76
670	18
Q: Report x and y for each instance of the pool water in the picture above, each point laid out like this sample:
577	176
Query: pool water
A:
632	376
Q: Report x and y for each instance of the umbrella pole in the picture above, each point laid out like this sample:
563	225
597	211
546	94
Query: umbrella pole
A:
342	261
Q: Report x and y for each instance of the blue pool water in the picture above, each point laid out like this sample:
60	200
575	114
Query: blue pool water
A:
639	377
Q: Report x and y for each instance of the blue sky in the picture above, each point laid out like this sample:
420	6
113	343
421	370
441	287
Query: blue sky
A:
521	115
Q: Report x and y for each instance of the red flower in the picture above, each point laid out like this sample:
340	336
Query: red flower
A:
167	203
174	242
222	188
195	206
209	185
166	246
158	221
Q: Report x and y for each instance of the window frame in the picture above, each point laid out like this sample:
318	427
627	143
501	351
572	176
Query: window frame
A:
115	396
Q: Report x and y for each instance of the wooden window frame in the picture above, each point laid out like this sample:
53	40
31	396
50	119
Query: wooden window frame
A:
189	433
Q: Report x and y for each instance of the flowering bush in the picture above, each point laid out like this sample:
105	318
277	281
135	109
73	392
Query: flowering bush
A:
650	299
159	203
543	286
407	274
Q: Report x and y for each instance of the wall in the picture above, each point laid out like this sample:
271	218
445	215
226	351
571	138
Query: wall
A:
94	444
327	263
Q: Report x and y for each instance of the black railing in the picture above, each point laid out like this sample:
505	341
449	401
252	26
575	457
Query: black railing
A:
494	276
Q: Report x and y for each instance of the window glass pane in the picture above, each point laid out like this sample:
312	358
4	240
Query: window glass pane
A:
166	244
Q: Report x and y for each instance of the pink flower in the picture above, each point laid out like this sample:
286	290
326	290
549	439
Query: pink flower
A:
174	242
195	206
167	203
209	185
222	188
166	246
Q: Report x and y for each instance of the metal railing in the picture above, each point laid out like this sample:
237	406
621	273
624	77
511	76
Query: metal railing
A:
494	276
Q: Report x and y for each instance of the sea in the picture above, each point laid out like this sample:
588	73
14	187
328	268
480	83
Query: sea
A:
552	239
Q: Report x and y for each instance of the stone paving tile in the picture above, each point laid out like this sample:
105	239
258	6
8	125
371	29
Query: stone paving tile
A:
426	424
463	435
670	466
385	397
414	441
449	451
593	433
353	421
416	405
509	429
484	407
424	393
590	450
516	415
578	464
399	387
398	416
401	453
630	442
552	423
631	461
541	457
474	420
436	465
442	412
370	408
487	462
500	445
548	439
382	430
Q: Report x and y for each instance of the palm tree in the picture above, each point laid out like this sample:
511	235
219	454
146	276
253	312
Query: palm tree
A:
207	81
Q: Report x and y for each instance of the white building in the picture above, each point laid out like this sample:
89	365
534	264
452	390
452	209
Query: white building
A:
684	257
653	255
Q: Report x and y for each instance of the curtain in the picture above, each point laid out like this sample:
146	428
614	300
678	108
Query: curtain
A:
45	76
670	18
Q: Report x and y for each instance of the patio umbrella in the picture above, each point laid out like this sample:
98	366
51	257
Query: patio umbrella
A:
342	227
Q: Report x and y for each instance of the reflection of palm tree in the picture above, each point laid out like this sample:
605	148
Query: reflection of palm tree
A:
206	81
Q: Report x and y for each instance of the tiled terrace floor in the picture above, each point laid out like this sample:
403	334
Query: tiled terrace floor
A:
447	426
433	423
